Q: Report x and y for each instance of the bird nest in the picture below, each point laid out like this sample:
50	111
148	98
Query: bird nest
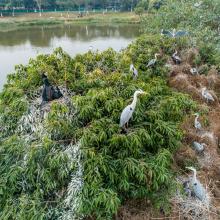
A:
31	123
32	127
190	207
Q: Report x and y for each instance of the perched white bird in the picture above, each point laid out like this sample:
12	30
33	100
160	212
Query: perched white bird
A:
153	61
194	71
174	33
176	59
207	95
128	111
197	187
197	124
199	148
134	71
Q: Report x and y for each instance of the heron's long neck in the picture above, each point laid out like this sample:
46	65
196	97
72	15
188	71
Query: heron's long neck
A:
197	118
134	102
194	175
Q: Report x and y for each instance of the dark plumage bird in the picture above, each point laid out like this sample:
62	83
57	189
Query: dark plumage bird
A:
49	93
176	59
157	5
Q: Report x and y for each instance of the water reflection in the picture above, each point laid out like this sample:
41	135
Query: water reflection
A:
41	36
19	46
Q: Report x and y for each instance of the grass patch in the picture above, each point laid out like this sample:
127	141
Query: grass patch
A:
48	19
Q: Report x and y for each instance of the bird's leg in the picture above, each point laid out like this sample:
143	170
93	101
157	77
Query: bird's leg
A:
126	125
124	130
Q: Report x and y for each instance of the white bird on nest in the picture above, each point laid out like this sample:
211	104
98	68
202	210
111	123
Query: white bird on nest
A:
129	110
197	124
205	94
197	187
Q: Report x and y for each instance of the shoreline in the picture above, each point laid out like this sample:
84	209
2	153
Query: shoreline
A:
53	19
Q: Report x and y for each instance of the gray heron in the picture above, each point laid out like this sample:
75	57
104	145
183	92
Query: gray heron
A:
134	71
197	187
205	94
197	124
153	61
176	59
199	148
129	110
174	33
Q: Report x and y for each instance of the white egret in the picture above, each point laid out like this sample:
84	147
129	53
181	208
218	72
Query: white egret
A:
153	61
197	124
197	187
129	110
176	59
134	71
207	95
199	148
174	33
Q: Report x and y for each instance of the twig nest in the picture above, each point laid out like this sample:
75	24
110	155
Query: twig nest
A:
198	147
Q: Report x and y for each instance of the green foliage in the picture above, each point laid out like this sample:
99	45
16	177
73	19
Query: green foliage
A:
12	106
139	11
69	4
143	4
116	166
201	21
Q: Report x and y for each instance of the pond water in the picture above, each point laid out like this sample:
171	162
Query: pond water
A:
17	47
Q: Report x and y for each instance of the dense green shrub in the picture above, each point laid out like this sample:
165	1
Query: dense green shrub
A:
36	168
202	21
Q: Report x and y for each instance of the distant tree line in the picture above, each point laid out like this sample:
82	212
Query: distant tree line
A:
123	5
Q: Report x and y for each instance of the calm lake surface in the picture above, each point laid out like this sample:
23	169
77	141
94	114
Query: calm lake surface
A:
17	47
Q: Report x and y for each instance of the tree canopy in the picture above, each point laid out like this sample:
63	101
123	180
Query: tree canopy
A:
71	4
